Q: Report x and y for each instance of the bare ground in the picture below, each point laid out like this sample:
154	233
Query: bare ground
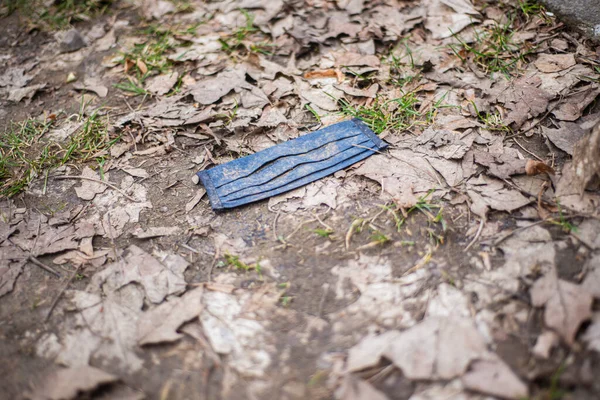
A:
486	290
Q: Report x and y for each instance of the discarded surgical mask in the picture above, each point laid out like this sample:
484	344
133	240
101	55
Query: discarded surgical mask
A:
289	165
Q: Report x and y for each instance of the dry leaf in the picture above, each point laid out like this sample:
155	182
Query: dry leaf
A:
195	200
533	167
162	84
554	62
158	278
156	231
160	324
141	66
356	389
70	383
495	378
567	305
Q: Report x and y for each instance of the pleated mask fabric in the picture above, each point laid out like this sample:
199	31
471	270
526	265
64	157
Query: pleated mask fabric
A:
289	165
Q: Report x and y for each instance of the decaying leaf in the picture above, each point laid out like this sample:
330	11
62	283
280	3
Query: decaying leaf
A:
159	278
441	348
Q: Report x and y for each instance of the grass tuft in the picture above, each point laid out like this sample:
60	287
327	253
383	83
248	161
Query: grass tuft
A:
240	38
56	15
397	114
26	152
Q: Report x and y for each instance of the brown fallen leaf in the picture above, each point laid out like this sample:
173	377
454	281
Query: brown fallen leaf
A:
141	66
128	65
325	73
567	304
533	167
69	383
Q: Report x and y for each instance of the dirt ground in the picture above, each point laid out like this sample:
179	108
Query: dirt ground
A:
463	262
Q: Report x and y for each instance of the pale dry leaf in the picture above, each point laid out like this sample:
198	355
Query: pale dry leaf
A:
566	136
437	348
12	260
444	26
554	62
114	317
356	60
461	6
92	85
89	189
233	331
70	383
195	200
17	95
158	278
592	334
162	84
353	388
495	378
495	195
591	282
523	98
210	90
160	324
156	9
368	352
544	344
567	304
572	107
137	172
156	231
370	92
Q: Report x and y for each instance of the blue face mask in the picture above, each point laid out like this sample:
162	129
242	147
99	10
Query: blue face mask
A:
289	165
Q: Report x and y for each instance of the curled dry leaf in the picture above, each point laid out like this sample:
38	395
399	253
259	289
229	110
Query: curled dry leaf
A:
533	167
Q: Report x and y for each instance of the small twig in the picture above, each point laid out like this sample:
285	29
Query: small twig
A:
527	151
298	228
43	266
510	233
59	295
185	246
481	223
275	225
322	302
110	185
212	265
323	223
